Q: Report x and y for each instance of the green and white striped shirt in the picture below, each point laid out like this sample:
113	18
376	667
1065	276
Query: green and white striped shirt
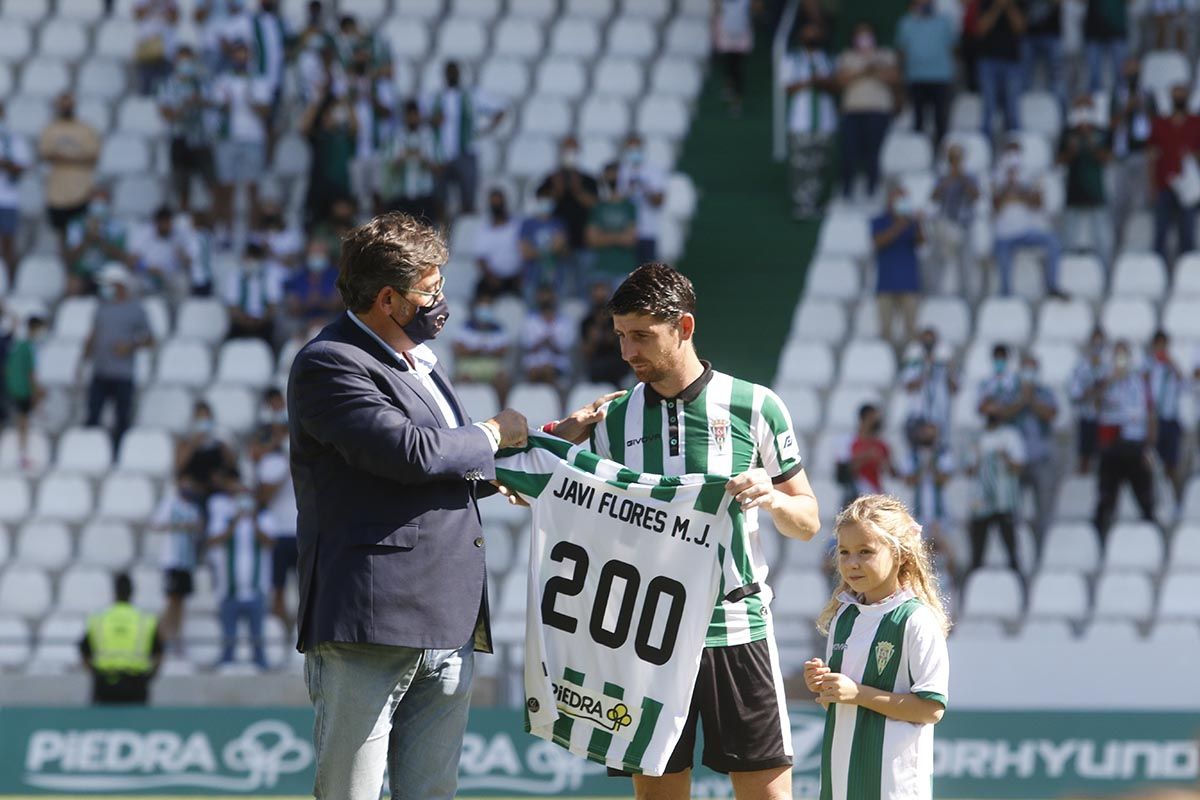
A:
719	425
623	571
896	646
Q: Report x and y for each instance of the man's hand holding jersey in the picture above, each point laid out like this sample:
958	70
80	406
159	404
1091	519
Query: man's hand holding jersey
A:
791	504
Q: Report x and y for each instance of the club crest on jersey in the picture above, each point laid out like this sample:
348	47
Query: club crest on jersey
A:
719	428
883	654
602	711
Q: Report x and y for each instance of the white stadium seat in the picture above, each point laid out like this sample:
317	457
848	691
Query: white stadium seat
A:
1058	594
676	76
905	151
1134	546
504	77
27	116
15	641
1180	320
427	10
688	36
90	11
1039	630
1124	595
106	543
806	364
44	543
73	318
366	12
58	643
604	116
868	362
561	76
14	498
519	38
540	403
87	451
1071	546
662	115
1162	69
845	233
531	156
546	116
1185	547
632	37
804	406
124	154
1180	597
841	409
25	592
680	201
24	10
140	115
835	277
184	362
41	275
578	37
1004	319
292	156
593	9
992	594
165	407
39	451
538	10
621	77
1040	113
460	38
655	10
977	149
1186	280
149	451
64	497
799	594
63	38
483	10
202	318
127	497
1130	318
1070	321
949	316
596	151
820	320
1056	361
1139	275
44	77
233	406
1112	633
83	589
247	362
138	195
15	41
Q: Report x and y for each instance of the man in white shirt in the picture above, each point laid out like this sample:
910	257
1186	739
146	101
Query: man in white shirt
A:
277	495
1021	220
163	252
14	160
807	75
253	295
244	103
546	341
456	114
498	249
645	185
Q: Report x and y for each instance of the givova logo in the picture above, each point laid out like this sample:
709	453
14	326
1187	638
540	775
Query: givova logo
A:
609	713
109	760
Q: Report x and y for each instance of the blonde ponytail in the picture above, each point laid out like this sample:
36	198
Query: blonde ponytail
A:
887	517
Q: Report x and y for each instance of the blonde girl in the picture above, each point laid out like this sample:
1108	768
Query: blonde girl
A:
883	681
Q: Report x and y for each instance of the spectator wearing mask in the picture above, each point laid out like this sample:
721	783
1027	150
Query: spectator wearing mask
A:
275	493
1105	35
161	255
929	467
543	243
1127	431
253	294
1174	138
119	329
122	649
179	519
926	40
930	381
200	257
243	101
154	42
310	294
182	104
373	98
1085	151
1043	43
240	540
998	456
612	230
1167	386
1031	409
284	243
1021	221
1000	27
599	347
14	160
808	78
867	458
995	390
498	249
21	386
954	196
645	185
573	191
547	340
896	235
868	77
319	72
733	40
1085	389
481	349
1132	114
350	40
331	126
456	114
71	150
408	167
201	454
92	240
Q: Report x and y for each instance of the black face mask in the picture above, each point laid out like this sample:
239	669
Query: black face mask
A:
1180	104
876	426
427	323
499	211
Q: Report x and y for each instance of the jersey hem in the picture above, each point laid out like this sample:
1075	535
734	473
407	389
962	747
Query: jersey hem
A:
723	641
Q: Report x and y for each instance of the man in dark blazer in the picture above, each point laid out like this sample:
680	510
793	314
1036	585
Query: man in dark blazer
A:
387	470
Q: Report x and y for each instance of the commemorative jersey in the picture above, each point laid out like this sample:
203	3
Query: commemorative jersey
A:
623	572
896	646
719	425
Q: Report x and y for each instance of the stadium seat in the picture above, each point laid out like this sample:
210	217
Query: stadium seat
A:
598	10
845	233
805	364
1179	318
184	362
1040	113
26	116
44	77
6	80
1036	631
538	10
1071	546
127	497
234	406
461	38
800	595
978	630
138	196
577	37
1124	595
1036	156
86	451
148	451
1112	633
977	149
906	151
1076	498
1185	547
834	277
63	39
1180	596
427	10
58	363
519	38
73	318
504	77
676	76
58	642
992	594
618	76
140	115
291	156
105	543
124	154
546	116
540	403
1131	318
478	399
604	116
841	409
17	11
482	10
653	10
15	641
1004	319
1162	69
165	407
1056	361
868	362
680	200
662	115
561	76
949	316
202	318
632	37
367	12
44	543
1186	275
596	151
530	156
25	591
83	590
819	320
1058	595
245	362
804	406
41	275
1139	275
688	36
64	497
39	451
1069	321
1169	634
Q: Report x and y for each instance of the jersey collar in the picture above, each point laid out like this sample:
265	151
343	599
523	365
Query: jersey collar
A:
689	393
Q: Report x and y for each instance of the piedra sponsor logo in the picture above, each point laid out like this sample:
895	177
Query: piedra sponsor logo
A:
609	713
115	759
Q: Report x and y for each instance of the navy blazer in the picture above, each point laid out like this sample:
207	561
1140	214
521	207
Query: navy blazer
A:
391	547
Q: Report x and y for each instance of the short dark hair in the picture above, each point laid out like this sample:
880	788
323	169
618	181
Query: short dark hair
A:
271	392
656	289
163	212
1159	334
392	249
865	410
123	587
1000	351
35	321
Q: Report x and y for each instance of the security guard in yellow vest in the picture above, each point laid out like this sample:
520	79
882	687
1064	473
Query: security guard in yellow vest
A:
122	649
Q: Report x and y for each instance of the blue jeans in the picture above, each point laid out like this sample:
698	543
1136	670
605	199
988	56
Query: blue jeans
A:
996	78
120	392
377	706
1097	52
1047	50
1006	251
1167	209
233	610
861	134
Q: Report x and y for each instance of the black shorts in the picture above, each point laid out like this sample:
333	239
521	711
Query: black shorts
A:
188	159
22	405
283	560
178	583
1170	436
740	702
1088	444
60	218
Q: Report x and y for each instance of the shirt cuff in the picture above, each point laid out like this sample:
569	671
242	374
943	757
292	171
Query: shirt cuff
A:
491	435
